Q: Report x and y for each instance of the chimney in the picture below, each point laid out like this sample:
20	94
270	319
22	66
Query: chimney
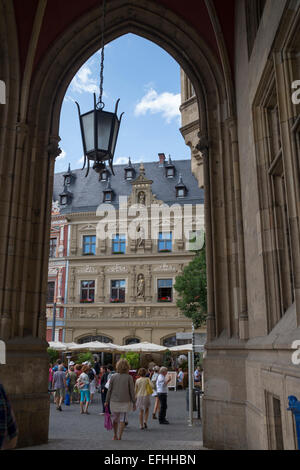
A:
162	159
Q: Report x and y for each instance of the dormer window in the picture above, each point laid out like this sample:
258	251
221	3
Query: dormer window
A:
170	168
108	192
65	197
104	175
68	176
129	171
181	189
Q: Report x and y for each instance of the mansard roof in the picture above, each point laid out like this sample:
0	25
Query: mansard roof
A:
87	193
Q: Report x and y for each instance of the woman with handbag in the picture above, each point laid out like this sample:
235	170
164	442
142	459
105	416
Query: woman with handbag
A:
143	391
120	397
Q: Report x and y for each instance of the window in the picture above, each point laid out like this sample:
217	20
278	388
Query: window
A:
181	192
119	245
274	422
91	339
275	231
170	172
170	342
132	341
117	291
51	292
89	245
87	292
165	290
53	245
108	197
104	175
165	242
128	174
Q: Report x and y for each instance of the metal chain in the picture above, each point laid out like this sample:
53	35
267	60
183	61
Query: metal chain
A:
100	103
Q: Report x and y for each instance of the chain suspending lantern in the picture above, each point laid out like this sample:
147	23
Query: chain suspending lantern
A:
99	128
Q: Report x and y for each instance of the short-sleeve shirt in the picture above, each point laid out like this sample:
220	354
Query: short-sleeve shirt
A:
161	387
180	376
8	427
58	379
84	379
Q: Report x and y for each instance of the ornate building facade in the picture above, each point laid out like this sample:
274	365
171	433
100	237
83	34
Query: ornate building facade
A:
119	288
242	57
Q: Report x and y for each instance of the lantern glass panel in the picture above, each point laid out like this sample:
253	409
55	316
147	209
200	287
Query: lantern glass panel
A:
115	135
104	122
88	130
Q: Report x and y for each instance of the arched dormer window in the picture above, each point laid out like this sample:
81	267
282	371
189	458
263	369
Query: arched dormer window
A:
181	189
108	192
170	168
129	171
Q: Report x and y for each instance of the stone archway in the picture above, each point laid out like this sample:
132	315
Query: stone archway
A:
38	146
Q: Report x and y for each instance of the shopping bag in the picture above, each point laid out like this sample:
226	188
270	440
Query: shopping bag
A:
107	420
67	399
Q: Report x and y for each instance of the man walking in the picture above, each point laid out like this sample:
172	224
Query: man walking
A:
59	384
162	393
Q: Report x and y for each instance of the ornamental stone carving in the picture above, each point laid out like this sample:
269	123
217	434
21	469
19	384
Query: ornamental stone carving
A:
165	268
117	269
87	270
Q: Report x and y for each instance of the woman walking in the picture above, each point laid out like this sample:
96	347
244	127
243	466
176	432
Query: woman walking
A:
120	397
154	394
84	387
143	391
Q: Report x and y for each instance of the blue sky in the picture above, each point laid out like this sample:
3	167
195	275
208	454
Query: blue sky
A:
147	81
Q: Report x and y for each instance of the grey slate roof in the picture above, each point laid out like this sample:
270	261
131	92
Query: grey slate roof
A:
87	193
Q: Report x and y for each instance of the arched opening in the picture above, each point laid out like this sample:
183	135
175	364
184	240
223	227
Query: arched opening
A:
39	145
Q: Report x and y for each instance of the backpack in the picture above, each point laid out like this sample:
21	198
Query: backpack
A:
91	375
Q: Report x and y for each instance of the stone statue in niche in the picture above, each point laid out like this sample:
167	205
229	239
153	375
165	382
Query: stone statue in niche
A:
141	287
142	198
141	238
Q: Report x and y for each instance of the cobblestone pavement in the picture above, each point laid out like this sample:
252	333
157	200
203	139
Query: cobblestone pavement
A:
71	431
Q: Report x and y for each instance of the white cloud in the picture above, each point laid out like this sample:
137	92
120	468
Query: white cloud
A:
124	160
81	160
165	103
61	156
83	82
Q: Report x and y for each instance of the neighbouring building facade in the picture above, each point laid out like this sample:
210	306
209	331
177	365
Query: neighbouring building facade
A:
57	275
120	289
242	58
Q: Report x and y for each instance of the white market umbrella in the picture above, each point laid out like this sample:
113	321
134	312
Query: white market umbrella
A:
94	346
144	347
185	348
57	346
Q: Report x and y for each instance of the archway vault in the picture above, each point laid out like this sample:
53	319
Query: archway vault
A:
36	149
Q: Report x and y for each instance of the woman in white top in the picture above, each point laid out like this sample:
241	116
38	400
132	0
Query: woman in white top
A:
154	394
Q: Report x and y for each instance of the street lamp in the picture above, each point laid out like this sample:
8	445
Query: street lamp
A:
99	128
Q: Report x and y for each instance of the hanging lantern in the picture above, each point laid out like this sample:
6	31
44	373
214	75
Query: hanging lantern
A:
99	132
99	128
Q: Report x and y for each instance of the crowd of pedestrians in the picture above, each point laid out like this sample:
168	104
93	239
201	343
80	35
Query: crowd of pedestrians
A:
121	393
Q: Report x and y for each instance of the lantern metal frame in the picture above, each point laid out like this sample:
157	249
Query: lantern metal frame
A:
98	155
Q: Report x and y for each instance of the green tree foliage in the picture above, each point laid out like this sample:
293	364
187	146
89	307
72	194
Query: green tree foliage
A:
133	359
53	355
191	287
85	357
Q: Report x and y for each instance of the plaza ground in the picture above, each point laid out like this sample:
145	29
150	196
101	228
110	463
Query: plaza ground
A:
69	430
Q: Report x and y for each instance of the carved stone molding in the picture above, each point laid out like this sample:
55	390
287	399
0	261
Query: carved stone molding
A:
117	269
166	268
